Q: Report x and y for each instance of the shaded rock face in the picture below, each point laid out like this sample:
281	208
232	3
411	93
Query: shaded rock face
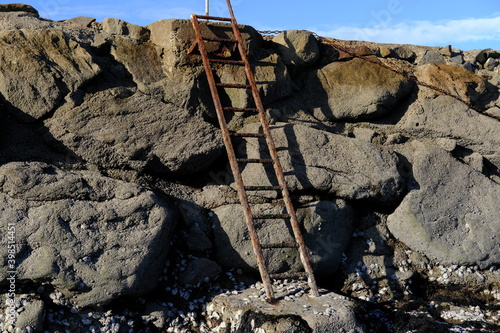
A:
96	237
137	132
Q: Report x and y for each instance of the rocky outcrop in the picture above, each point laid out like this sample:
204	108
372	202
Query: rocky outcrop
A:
114	174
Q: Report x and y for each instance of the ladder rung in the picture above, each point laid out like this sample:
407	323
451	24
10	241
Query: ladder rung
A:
234	85
215	18
263	188
249	135
228	62
240	109
288	275
254	160
218	39
271	216
283	245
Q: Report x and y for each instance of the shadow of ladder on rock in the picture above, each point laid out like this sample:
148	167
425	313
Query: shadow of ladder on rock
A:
235	162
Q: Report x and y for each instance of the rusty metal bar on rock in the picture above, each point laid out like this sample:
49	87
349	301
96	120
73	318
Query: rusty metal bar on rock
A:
214	18
266	280
227	62
241	110
271	216
263	188
304	256
283	245
289	275
218	39
254	160
234	85
249	135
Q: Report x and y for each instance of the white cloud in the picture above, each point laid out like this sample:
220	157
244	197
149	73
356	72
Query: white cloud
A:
424	32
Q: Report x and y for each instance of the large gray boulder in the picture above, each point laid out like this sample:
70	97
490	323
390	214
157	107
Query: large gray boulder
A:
186	85
120	27
175	37
113	130
48	66
350	90
445	117
299	49
452	212
317	160
455	80
92	237
144	63
247	312
327	227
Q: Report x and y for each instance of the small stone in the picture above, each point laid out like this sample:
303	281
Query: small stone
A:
446	51
384	51
396	138
405	52
457	60
484	55
447	144
432	57
475	161
491	63
365	134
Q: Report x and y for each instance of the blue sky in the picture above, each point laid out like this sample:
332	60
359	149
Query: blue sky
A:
463	24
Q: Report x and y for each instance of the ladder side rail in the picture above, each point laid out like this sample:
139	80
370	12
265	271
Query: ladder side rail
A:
274	155
234	166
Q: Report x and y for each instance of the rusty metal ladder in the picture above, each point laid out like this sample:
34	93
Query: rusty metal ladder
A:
235	162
